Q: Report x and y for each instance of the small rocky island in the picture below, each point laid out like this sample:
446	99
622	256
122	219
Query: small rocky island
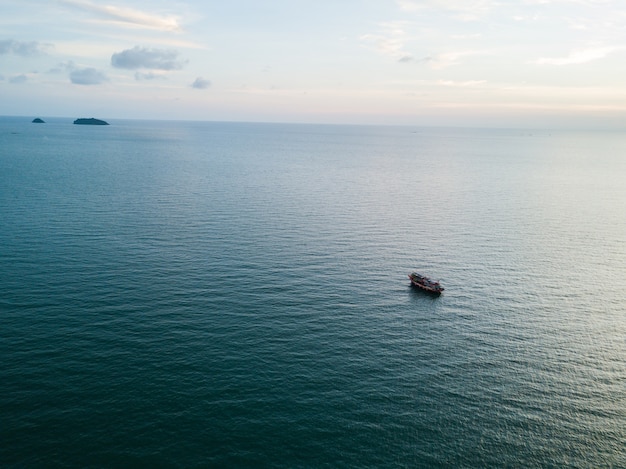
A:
90	121
37	120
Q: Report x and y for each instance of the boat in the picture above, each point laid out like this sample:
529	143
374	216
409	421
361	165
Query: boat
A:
425	283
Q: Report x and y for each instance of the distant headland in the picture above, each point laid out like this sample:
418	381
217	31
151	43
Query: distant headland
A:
90	121
37	120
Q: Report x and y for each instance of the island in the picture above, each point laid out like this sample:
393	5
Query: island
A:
38	121
90	121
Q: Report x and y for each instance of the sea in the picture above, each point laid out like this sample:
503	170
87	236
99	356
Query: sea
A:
206	294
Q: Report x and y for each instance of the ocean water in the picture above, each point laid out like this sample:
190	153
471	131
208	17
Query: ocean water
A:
180	294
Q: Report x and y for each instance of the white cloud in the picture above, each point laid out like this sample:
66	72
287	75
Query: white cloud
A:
461	84
139	76
142	57
201	83
408	5
24	49
449	59
390	40
87	76
467	10
126	16
466	36
18	79
579	56
574	2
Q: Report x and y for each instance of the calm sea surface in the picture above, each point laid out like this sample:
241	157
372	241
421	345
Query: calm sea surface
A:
215	295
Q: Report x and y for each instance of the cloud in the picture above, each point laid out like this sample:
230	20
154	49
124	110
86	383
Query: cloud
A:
148	76
141	57
410	59
63	67
18	79
575	2
24	49
390	40
87	76
466	36
449	59
466	10
126	16
461	84
579	56
201	84
408	5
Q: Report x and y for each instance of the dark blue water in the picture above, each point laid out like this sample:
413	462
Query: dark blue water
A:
212	294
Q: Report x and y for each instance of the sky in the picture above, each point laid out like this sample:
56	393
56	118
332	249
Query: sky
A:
539	63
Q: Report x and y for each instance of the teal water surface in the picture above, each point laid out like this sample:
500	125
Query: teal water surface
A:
183	294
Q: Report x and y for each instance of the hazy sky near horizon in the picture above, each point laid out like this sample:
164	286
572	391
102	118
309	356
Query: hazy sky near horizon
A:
454	62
